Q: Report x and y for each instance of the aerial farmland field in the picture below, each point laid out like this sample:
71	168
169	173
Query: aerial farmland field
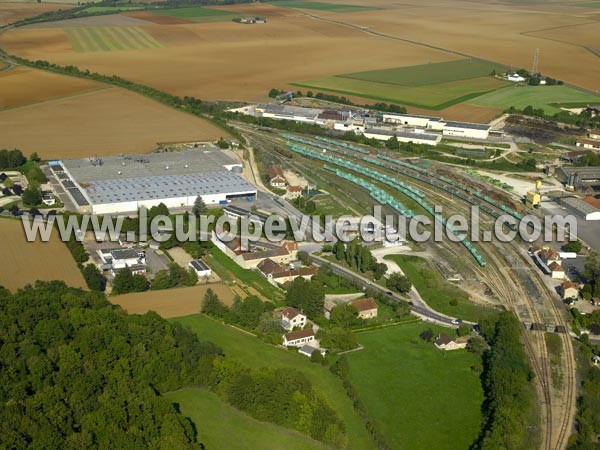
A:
12	12
105	122
321	6
197	14
105	39
549	98
24	262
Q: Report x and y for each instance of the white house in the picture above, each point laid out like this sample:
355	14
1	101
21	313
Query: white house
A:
119	258
292	318
299	338
515	77
200	267
366	307
556	270
569	290
445	342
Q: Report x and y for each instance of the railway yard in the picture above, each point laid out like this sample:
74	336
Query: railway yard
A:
505	268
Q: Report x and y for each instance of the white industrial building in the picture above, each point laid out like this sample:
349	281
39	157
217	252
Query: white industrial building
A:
466	129
119	258
430	122
285	112
200	267
586	210
124	184
414	136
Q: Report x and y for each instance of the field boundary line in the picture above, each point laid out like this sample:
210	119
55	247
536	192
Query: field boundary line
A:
76	94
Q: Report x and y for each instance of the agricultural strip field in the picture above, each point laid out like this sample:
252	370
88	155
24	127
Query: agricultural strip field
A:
106	122
588	4
24	262
439	294
322	6
220	425
172	302
421	397
252	352
427	74
106	39
99	9
197	14
23	86
549	98
434	96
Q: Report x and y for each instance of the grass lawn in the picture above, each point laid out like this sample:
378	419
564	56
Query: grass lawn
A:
220	425
546	97
321	6
229	270
252	352
437	292
198	14
421	397
433	96
426	74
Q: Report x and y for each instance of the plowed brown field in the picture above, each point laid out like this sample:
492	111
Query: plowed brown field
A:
24	86
13	12
107	122
24	262
172	302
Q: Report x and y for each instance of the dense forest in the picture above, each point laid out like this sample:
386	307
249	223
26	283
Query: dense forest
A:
78	372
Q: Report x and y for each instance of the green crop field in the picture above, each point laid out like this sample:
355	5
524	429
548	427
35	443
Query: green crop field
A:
437	292
106	39
421	397
198	14
434	96
427	74
321	6
252	352
547	97
220	425
588	4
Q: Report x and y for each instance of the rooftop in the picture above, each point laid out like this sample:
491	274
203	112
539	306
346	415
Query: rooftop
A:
365	304
292	336
579	204
199	264
472	126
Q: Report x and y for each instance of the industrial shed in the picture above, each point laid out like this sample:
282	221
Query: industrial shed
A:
466	129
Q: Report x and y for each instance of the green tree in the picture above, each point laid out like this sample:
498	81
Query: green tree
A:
310	207
379	270
339	250
317	357
304	257
200	208
426	335
93	278
306	295
463	330
574	246
398	282
32	196
35	175
191	278
123	282
344	316
139	283
212	305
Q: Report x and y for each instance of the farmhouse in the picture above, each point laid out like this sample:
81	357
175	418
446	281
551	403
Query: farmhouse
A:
569	290
200	267
281	274
466	129
292	318
366	307
445	342
276	178
299	338
123	184
292	192
514	77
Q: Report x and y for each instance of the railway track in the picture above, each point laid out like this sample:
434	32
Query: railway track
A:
557	418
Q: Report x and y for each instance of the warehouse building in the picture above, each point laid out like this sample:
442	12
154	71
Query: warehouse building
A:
578	177
123	184
586	209
416	137
430	122
466	129
285	112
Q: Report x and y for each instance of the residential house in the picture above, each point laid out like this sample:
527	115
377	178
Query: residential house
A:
588	143
366	307
556	271
445	342
251	257
276	178
569	290
299	338
200	267
328	305
281	274
292	318
293	192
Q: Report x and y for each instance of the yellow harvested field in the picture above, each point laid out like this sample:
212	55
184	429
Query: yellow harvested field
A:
12	12
106	122
172	302
229	61
25	262
23	86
